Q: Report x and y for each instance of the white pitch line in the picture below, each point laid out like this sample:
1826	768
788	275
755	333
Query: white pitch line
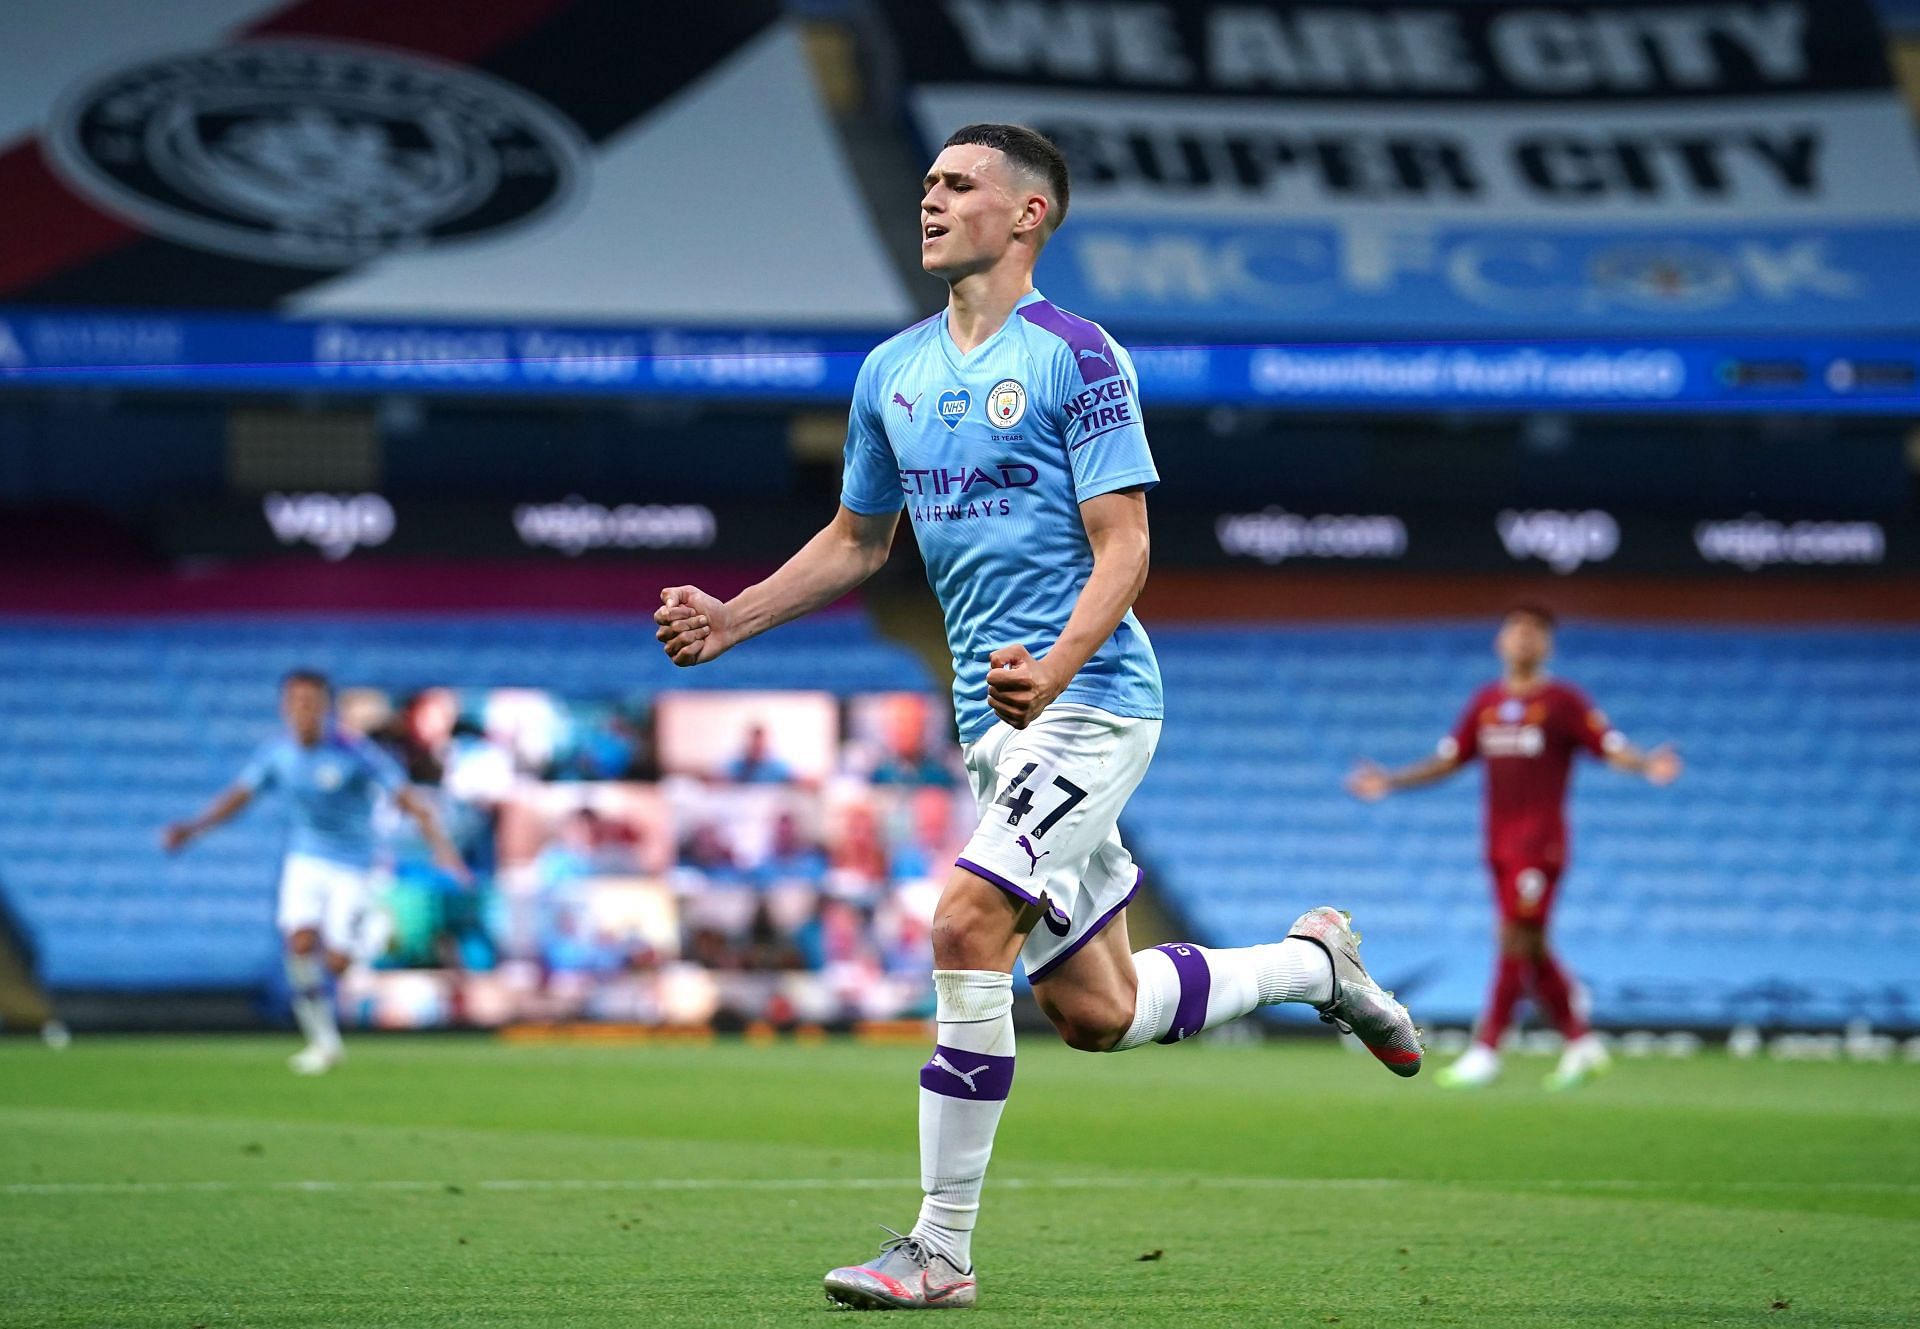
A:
899	1183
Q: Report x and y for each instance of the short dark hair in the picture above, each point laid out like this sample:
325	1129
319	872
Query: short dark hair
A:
310	676
1030	151
1534	610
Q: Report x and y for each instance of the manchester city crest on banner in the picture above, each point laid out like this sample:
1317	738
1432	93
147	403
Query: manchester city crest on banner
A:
314	154
1007	403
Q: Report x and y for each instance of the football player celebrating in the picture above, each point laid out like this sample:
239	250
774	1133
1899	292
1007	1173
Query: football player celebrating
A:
1525	729
1010	432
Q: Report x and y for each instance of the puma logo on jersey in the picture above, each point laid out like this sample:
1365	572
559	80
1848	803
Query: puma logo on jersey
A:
899	400
1027	848
1102	356
965	1077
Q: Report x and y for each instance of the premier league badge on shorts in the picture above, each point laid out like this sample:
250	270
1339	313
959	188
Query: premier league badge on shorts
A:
1007	403
314	154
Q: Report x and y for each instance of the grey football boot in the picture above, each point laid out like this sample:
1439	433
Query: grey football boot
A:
1358	1006
907	1275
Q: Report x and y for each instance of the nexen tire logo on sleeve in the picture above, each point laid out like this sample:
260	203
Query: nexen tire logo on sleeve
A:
314	154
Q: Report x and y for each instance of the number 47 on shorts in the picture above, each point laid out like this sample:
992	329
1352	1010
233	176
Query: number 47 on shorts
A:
1018	799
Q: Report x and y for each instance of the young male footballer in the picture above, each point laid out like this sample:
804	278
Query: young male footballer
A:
1010	432
330	780
1525	729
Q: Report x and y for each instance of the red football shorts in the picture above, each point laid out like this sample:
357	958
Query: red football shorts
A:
1524	890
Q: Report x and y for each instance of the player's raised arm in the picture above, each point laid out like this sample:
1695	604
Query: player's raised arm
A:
1019	687
223	808
695	627
1660	766
256	775
1373	782
1592	731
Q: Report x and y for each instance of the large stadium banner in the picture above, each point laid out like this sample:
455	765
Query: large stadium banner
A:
1407	168
588	161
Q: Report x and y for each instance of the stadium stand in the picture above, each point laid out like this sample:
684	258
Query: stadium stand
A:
116	728
1780	881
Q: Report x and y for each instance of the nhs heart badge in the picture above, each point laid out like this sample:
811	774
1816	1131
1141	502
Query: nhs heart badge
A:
952	406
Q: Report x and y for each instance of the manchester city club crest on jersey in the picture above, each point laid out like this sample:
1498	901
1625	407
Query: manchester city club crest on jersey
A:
952	406
1007	403
314	154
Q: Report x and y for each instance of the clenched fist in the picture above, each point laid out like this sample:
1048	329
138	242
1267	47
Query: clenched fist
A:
693	626
1019	687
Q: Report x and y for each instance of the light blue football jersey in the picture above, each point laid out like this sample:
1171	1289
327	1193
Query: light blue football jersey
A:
330	790
991	453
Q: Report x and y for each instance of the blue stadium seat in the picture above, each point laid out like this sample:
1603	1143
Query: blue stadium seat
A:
1700	903
107	732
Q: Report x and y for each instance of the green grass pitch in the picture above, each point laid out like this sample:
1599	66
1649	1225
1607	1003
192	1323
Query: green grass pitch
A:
463	1181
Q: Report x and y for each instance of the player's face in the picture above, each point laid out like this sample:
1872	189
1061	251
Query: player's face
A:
971	207
304	708
1524	642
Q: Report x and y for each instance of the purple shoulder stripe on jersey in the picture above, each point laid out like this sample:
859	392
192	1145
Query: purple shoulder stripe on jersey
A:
1088	344
1017	892
975	1075
1196	984
1099	925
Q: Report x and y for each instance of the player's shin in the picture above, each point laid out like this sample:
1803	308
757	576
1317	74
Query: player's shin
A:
312	1004
1510	982
1183	988
1554	991
963	1090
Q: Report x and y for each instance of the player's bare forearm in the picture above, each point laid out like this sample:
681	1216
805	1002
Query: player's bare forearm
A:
1431	771
427	818
1661	766
695	627
848	550
1372	782
1019	687
222	809
1117	532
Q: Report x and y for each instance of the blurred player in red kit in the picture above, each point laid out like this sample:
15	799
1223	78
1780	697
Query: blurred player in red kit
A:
1526	728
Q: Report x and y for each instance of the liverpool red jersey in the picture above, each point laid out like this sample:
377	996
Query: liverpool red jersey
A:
1527	741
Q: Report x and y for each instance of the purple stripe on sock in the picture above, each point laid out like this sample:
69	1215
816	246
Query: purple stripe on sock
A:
1099	925
973	1075
998	880
1196	983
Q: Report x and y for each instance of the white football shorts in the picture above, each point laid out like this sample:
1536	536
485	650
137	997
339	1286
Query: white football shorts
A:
1050	797
329	897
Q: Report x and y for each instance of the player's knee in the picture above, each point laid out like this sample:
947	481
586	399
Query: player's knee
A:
1092	1023
338	963
971	929
957	930
303	942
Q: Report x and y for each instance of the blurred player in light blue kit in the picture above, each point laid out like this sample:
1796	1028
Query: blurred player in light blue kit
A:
1010	432
331	781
